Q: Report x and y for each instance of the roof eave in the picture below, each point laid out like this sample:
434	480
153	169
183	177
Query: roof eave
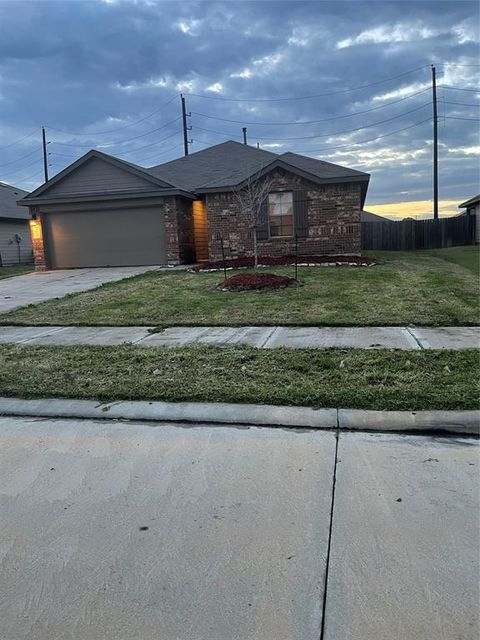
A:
104	195
468	203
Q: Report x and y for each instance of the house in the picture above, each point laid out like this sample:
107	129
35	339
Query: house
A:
102	211
368	216
472	208
15	243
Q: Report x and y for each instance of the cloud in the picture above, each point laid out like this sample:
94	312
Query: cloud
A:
189	26
374	158
402	92
466	151
467	31
385	34
260	67
97	67
216	87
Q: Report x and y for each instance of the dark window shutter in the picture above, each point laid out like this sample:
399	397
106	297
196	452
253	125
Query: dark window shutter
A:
262	222
300	213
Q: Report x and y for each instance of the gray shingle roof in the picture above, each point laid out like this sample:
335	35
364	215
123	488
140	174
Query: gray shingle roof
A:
230	163
8	202
320	168
223	165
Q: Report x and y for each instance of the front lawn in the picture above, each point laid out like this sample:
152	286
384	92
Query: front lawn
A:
383	379
15	270
412	288
467	257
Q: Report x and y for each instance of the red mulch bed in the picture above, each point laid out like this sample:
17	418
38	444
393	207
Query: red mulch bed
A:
249	281
237	263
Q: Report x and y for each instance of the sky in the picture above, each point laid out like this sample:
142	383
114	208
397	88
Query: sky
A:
346	82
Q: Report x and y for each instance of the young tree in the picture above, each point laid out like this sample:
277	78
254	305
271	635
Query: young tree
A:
252	200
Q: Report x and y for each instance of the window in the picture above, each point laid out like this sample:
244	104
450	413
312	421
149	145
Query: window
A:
280	213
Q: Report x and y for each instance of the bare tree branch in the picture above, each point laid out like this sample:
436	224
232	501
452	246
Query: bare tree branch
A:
250	200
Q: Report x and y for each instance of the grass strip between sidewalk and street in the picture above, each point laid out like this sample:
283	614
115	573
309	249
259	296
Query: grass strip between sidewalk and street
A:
354	378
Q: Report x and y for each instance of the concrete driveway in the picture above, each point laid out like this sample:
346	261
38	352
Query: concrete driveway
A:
38	286
120	531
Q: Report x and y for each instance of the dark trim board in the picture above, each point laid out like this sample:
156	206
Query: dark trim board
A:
155	194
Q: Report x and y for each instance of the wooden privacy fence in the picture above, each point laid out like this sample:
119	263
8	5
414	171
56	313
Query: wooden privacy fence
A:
408	235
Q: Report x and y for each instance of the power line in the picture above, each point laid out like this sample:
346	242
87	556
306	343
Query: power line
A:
157	154
27	155
446	86
161	153
372	139
114	144
462	104
29	135
326	135
30	177
348	115
453	64
152	144
25	167
318	95
458	118
342	146
95	133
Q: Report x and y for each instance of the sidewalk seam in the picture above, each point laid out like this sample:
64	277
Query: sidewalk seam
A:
330	532
410	332
269	337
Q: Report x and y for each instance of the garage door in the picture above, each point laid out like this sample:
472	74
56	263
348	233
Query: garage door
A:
126	237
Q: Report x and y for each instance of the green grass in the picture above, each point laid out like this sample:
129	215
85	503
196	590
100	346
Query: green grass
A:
15	270
466	257
384	379
404	288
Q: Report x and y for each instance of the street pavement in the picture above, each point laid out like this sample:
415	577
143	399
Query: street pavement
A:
127	530
262	337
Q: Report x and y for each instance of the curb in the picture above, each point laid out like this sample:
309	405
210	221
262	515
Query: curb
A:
449	422
457	422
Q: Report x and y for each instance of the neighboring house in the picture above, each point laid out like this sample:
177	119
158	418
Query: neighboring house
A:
472	208
102	211
368	216
15	242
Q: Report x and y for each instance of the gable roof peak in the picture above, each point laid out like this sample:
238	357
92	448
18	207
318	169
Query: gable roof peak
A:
104	157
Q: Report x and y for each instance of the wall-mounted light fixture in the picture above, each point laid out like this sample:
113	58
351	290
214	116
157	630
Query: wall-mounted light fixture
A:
36	229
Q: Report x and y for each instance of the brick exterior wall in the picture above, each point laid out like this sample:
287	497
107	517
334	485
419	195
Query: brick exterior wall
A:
179	230
186	236
333	221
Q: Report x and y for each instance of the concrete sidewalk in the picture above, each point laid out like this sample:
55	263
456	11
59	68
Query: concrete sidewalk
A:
261	337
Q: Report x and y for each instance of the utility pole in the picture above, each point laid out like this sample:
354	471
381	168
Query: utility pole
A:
244	129
45	155
435	145
185	128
